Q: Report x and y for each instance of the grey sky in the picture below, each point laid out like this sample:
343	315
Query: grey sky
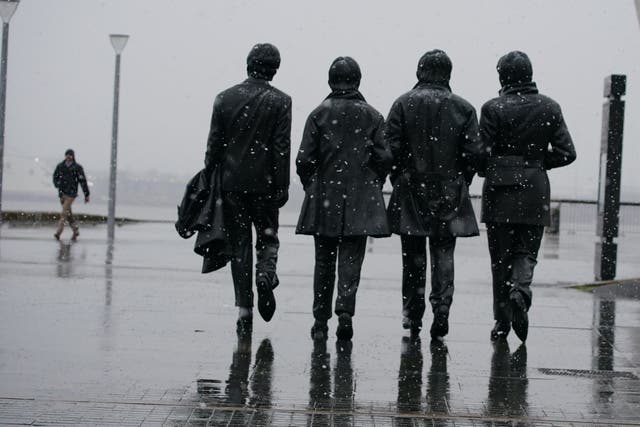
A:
181	53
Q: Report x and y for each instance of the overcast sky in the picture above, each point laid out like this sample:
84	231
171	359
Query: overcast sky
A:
182	53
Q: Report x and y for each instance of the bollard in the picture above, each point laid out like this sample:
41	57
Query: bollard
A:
554	227
609	178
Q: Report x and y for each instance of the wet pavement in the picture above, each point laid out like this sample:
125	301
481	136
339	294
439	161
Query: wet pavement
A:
140	337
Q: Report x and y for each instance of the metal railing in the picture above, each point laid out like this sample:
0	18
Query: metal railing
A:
578	215
581	215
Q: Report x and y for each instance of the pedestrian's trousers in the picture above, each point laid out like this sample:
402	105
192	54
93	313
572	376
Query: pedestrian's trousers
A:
414	266
241	211
349	251
514	251
66	215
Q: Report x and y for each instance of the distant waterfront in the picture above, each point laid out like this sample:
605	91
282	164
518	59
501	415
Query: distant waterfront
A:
574	218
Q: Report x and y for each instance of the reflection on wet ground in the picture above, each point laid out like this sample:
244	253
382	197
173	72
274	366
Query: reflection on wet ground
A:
326	407
138	337
410	400
64	260
438	380
241	389
410	376
507	395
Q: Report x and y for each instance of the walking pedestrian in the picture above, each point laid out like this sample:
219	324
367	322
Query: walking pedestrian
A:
249	139
433	135
343	162
525	135
66	177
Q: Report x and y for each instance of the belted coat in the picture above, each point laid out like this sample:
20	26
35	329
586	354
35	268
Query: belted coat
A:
522	123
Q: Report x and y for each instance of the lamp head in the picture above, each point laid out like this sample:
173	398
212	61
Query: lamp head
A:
7	9
118	41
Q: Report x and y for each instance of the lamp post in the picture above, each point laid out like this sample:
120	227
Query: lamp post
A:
118	41
7	9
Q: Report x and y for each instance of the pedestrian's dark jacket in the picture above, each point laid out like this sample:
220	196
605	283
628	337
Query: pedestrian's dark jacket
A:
201	212
343	162
250	138
433	135
525	127
66	179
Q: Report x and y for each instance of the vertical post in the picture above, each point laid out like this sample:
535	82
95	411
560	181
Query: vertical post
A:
118	41
554	227
3	102
111	217
7	9
609	181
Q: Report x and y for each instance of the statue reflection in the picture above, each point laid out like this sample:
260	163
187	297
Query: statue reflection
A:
410	377
508	381
438	382
320	383
64	260
410	381
320	399
242	389
261	383
343	384
237	390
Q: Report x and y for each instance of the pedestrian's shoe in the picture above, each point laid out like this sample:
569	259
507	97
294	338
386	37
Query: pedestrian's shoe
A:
56	236
266	300
75	235
440	325
320	330
345	327
415	326
520	320
500	330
